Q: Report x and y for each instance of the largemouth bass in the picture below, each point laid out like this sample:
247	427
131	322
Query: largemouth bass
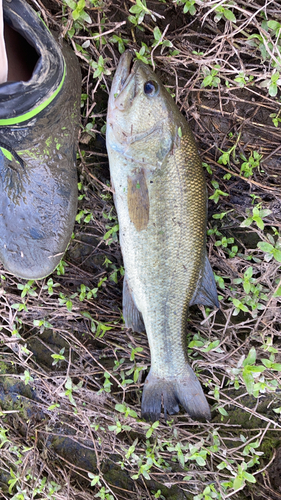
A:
161	202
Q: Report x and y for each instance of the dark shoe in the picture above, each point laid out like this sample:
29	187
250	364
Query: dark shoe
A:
39	120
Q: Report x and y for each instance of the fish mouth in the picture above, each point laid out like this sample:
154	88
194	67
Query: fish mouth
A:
127	66
125	71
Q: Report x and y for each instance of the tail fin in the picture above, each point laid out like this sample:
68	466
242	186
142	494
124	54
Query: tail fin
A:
185	390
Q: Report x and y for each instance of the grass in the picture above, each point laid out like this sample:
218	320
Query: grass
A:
71	375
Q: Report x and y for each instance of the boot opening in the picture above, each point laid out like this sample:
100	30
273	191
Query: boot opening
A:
22	57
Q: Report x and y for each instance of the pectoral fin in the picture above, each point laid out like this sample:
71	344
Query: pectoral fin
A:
206	291
132	316
138	200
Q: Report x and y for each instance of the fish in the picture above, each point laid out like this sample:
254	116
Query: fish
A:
160	197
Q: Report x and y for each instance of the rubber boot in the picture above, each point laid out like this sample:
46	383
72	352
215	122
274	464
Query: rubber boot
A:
39	122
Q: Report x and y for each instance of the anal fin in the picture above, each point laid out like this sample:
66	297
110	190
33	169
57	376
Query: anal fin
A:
206	291
132	316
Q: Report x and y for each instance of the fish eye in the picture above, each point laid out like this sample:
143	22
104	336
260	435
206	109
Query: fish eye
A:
150	88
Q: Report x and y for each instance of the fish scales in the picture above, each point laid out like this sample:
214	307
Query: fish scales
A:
161	202
163	261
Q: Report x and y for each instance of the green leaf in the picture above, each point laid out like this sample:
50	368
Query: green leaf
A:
266	362
181	458
135	9
249	477
249	272
238	482
277	254
264	212
157	33
272	90
278	292
274	25
264	246
120	407
207	81
200	460
247	222
211	346
259	222
222	411
195	343
228	14
95	479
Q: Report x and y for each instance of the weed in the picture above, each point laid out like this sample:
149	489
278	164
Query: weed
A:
210	76
27	378
222	12
272	83
87	293
61	268
242	79
276	119
204	345
58	357
118	427
224	158
242	476
122	42
27	289
224	242
217	193
104	494
271	248
249	164
84	215
140	10
143	54
126	410
100	69
19	307
78	12
151	429
42	324
189	6
257	216
255	293
50	285
63	299
70	388
107	384
111	235
158	37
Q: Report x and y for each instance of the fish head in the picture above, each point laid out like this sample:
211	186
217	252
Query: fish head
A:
141	114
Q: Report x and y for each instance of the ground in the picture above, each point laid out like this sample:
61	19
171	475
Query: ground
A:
71	374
